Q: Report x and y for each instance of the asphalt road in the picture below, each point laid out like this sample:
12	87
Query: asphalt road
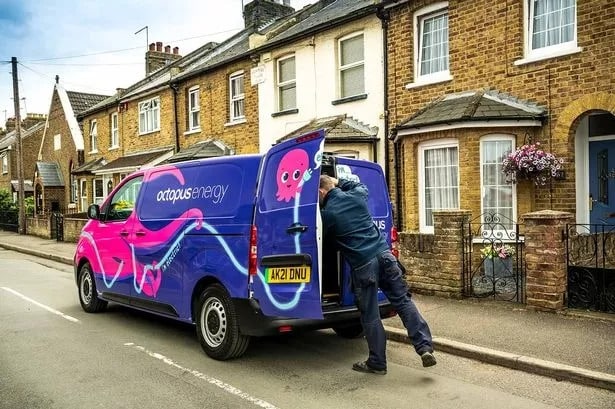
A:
54	355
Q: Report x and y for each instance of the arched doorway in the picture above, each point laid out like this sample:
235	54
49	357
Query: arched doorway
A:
595	168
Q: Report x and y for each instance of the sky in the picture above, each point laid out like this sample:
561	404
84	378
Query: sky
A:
93	45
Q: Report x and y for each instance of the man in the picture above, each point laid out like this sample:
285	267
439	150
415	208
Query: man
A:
347	218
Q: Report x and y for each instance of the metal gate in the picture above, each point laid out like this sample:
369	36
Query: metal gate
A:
492	261
58	222
590	255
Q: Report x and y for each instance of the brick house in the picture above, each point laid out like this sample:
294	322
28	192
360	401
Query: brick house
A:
189	107
470	81
61	150
31	136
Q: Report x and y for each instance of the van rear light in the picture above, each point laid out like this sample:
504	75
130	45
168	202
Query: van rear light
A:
285	328
394	242
253	256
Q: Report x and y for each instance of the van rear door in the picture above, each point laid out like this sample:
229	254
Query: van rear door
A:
287	281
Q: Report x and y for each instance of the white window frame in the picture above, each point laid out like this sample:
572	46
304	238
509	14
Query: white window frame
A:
83	191
350	66
194	108
93	136
419	18
237	106
115	131
98	199
5	163
428	145
281	85
149	116
556	50
507	225
57	142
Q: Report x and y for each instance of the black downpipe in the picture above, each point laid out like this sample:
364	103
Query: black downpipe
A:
385	16
175	88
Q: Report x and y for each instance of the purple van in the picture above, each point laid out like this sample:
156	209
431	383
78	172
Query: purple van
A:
232	244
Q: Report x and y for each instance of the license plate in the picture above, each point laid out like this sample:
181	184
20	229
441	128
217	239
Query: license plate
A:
298	274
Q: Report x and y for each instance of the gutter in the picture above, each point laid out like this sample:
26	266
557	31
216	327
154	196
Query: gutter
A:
384	17
175	88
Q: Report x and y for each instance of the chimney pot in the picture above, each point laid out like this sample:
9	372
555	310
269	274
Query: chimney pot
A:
159	46
152	46
167	49
176	50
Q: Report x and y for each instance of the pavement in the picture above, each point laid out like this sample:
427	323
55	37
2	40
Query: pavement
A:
572	345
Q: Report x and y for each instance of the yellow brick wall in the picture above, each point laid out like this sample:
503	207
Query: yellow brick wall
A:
485	39
131	140
215	111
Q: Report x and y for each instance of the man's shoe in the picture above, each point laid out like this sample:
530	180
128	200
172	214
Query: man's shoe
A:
363	367
428	359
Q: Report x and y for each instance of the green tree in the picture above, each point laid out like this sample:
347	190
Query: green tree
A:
6	201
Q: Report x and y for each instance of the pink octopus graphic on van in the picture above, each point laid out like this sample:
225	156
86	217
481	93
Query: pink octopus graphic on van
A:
292	170
144	253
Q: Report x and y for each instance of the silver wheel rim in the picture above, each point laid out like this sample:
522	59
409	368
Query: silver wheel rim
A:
213	322
86	287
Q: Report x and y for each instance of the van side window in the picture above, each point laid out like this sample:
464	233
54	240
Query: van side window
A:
123	201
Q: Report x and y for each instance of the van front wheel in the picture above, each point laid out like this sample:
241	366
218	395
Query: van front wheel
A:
88	297
216	325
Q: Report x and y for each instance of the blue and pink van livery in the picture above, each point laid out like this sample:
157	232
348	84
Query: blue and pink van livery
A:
233	244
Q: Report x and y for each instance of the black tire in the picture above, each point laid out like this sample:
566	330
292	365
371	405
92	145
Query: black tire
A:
216	325
88	297
350	331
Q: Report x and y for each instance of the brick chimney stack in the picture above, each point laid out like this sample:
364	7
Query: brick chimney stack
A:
258	12
156	58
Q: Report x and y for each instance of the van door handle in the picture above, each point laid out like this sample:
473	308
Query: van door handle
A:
140	233
296	228
124	233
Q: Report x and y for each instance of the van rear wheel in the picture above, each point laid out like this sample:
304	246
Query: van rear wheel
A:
349	331
88	297
216	325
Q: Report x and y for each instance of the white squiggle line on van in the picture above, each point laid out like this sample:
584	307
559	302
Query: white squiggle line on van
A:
89	237
163	260
139	286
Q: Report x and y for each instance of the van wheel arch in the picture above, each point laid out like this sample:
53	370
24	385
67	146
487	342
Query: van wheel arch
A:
217	325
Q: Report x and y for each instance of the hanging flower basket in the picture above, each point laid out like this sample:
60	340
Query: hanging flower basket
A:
532	163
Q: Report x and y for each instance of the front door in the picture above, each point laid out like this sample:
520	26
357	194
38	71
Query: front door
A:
288	282
602	180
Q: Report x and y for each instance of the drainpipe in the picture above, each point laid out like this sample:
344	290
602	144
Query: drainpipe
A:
385	16
175	88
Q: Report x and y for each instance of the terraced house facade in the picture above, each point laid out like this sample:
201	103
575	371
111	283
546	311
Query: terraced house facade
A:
470	81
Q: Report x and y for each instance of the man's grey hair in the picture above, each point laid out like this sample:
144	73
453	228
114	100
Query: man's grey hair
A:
326	182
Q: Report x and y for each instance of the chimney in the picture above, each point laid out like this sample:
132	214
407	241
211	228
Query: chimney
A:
259	12
156	58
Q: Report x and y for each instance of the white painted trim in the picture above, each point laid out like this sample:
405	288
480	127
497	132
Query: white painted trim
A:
468	125
69	114
435	77
444	76
581	171
560	52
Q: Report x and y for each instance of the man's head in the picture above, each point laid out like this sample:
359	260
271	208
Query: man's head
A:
326	183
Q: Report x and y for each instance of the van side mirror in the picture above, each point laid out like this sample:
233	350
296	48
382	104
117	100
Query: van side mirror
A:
94	212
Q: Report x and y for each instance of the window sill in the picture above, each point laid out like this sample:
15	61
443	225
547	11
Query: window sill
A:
287	112
237	122
192	131
149	132
349	99
114	148
93	152
431	81
553	54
